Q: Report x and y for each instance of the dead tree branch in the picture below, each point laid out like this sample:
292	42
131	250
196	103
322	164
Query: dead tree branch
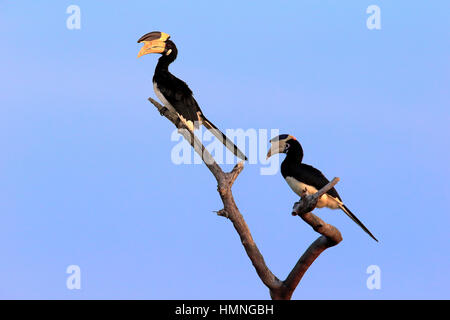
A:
330	236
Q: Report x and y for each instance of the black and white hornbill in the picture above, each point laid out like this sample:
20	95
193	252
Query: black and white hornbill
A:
175	93
302	177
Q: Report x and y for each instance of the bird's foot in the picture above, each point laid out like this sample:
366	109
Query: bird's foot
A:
163	110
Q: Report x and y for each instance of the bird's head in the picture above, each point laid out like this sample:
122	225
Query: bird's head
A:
156	42
282	144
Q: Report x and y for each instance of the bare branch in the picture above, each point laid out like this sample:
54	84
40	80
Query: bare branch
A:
309	203
232	176
330	235
190	137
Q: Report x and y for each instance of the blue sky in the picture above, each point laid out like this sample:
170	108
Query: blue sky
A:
86	176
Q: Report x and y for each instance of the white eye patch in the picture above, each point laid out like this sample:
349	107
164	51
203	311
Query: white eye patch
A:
168	52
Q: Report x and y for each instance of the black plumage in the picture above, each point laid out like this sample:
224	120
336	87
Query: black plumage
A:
301	176
176	94
292	166
174	90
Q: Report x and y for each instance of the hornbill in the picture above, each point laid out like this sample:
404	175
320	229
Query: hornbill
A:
303	178
175	93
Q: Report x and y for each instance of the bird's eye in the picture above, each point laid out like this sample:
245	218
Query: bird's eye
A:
286	147
168	52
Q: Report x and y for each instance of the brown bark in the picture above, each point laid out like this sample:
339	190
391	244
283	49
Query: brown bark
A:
330	236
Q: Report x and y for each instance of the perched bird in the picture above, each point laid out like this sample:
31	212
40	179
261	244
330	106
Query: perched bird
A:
305	178
175	93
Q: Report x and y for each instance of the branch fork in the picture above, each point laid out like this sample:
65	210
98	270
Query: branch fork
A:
330	235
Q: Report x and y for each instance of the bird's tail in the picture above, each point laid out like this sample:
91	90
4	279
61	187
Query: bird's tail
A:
355	219
223	138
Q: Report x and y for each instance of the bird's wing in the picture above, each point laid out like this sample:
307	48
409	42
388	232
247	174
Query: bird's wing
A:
313	177
180	97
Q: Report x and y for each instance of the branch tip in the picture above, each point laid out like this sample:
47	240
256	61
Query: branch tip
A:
222	213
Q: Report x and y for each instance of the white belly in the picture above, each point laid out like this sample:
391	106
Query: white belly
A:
300	188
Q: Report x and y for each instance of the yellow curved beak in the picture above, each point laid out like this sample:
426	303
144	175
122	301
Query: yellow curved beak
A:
154	46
